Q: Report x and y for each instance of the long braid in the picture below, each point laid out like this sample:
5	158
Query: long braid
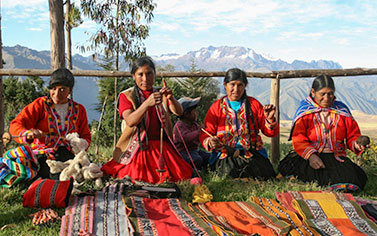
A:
142	123
249	113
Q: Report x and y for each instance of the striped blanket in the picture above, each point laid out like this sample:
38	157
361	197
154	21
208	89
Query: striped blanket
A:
165	217
297	226
17	165
330	213
235	218
102	214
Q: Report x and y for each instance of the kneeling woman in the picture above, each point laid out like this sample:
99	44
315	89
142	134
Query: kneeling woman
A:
322	130
231	132
145	151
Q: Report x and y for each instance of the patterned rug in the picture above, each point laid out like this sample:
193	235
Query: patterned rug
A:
272	207
165	217
286	198
330	213
234	218
101	214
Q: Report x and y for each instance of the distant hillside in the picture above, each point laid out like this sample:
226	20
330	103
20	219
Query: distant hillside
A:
359	93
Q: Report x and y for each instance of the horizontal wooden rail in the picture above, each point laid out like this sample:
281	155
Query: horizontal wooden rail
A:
284	74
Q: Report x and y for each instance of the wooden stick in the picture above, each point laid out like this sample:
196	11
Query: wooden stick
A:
205	131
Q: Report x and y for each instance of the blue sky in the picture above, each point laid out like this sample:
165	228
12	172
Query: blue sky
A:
342	31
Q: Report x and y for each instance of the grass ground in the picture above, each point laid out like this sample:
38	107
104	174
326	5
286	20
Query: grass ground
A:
15	220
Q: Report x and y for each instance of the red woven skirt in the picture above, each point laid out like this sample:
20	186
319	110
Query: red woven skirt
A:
144	165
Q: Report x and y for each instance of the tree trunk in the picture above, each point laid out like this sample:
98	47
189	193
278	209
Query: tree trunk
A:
57	33
68	34
1	91
116	78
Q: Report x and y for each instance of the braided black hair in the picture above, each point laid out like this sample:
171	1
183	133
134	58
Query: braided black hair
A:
142	61
240	75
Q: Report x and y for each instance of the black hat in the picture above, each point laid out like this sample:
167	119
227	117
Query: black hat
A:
61	76
187	102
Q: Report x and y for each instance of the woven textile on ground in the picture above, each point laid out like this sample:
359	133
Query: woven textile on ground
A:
165	217
286	198
102	214
297	226
333	214
17	165
235	218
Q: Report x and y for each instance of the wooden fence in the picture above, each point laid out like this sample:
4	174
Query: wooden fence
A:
275	77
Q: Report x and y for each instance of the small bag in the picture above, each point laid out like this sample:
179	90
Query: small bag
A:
46	193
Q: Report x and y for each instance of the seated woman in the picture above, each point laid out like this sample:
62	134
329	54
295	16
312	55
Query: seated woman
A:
232	127
46	121
322	130
145	150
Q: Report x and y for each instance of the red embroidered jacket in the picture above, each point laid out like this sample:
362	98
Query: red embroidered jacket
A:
309	137
37	115
218	116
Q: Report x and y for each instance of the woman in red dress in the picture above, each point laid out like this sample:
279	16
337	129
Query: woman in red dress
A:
148	130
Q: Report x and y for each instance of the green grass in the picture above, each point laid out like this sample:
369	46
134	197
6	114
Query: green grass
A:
15	220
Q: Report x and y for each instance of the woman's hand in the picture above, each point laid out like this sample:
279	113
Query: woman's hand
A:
34	133
165	90
269	112
315	162
214	142
362	143
154	99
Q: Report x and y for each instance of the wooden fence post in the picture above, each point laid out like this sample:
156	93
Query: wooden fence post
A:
274	99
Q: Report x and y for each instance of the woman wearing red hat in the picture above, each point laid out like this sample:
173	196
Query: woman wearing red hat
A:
46	121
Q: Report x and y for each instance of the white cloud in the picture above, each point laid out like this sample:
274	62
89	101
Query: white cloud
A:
264	16
88	24
23	3
343	42
35	29
166	26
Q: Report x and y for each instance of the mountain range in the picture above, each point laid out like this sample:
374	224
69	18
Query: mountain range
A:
358	92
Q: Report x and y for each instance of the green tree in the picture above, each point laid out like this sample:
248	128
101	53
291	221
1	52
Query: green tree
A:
72	20
206	88
20	92
103	128
123	24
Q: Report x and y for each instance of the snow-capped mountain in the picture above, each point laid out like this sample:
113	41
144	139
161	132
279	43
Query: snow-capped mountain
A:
225	57
359	93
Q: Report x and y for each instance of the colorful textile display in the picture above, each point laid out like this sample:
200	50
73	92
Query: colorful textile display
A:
330	213
164	217
335	217
229	218
101	214
286	198
17	165
273	208
46	193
